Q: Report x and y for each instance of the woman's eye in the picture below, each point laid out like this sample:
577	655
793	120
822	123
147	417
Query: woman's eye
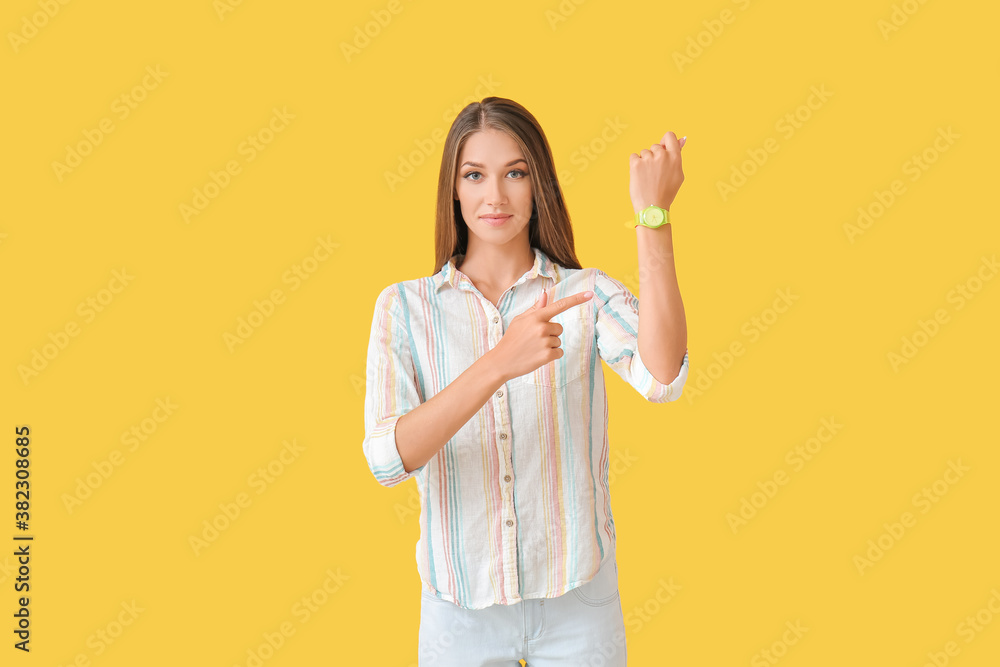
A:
521	174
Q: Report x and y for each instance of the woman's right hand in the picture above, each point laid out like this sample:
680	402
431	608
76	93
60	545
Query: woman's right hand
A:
531	341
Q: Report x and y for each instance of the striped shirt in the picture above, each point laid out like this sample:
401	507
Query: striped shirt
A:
516	505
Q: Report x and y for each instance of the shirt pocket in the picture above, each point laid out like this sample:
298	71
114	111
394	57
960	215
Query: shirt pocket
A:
574	342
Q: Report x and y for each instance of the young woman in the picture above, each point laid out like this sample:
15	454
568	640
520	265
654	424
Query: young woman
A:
485	384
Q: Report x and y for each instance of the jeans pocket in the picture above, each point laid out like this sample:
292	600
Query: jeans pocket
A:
602	589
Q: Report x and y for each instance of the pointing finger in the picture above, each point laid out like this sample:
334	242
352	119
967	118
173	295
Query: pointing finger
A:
565	303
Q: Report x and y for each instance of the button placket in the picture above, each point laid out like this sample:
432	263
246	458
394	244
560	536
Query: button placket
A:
501	414
502	419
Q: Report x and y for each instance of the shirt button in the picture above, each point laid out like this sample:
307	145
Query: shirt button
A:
495	320
503	436
500	393
506	478
509	522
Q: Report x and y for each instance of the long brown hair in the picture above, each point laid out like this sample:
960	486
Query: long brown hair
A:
550	229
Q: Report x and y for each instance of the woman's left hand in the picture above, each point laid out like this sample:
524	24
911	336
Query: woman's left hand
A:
655	174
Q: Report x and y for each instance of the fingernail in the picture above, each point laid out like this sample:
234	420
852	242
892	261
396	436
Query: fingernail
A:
588	294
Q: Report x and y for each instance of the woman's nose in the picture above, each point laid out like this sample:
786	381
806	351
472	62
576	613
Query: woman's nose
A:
496	196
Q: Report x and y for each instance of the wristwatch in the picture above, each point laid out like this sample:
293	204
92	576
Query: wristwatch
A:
652	216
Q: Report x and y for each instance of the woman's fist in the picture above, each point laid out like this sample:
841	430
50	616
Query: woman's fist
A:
655	174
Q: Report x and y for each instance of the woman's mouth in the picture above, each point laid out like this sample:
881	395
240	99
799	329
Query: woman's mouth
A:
495	220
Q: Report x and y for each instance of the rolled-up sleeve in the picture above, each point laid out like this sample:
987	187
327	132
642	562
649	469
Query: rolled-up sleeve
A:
390	388
618	341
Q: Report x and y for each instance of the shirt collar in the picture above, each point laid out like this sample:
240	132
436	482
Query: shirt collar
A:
449	275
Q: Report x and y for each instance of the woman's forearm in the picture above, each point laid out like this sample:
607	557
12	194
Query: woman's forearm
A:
662	326
423	431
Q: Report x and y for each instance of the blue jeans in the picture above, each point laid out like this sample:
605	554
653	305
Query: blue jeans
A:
582	628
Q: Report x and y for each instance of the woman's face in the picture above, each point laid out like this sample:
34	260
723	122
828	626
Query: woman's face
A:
493	180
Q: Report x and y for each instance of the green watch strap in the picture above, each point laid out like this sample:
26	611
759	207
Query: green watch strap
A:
652	216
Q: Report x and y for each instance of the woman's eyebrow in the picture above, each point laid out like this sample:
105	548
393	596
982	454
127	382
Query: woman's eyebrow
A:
511	163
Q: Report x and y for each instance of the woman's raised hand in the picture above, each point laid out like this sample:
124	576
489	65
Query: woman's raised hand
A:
655	173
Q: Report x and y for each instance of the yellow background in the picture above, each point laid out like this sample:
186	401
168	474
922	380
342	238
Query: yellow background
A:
300	375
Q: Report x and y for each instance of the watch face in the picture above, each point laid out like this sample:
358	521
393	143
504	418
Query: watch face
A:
653	216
